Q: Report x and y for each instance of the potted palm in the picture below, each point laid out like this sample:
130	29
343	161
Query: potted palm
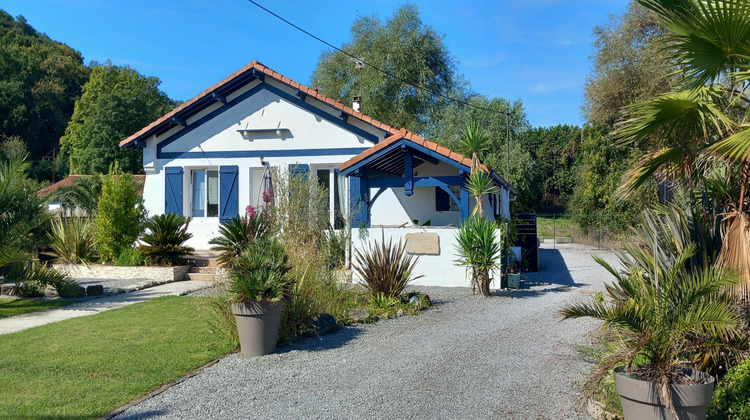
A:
259	282
665	313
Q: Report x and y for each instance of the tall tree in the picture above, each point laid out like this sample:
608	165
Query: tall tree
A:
555	151
405	47
40	80
116	102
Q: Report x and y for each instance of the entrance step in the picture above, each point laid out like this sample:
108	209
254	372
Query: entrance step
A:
203	265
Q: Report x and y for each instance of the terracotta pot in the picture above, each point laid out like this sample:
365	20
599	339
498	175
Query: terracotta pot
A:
641	399
258	326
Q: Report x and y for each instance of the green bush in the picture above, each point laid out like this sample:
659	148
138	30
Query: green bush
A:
731	399
385	268
73	241
130	257
236	234
165	240
261	272
121	214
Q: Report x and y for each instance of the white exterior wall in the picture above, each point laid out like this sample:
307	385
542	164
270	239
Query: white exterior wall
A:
438	270
262	110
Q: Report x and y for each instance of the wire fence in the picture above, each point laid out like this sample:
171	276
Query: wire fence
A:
601	230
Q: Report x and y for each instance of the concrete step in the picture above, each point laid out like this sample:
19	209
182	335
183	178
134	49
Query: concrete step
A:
203	269
200	276
203	262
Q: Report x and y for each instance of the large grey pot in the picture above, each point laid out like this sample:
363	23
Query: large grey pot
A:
641	400
258	326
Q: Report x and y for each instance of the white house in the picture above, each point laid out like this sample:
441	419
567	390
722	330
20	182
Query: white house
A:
208	159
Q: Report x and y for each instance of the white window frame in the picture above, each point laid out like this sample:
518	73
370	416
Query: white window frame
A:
191	189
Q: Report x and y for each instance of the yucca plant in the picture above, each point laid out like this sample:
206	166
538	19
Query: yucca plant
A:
385	268
260	273
236	234
479	251
165	239
73	241
478	184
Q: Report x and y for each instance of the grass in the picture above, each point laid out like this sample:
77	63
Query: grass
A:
10	306
86	367
547	227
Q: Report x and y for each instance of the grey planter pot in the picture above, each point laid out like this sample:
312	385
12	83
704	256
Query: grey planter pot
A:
258	326
641	400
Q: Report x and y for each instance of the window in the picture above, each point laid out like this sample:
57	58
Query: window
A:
205	193
335	204
456	190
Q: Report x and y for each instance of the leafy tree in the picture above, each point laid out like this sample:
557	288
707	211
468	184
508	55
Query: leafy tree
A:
121	215
40	80
555	152
405	47
116	102
629	66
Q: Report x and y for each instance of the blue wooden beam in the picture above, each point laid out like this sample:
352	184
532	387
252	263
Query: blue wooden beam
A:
377	194
463	203
179	121
408	173
300	94
219	97
418	182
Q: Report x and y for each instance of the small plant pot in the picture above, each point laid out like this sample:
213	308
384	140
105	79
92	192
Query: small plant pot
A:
258	326
514	280
641	399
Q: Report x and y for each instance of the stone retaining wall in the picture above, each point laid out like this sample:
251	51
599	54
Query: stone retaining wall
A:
100	271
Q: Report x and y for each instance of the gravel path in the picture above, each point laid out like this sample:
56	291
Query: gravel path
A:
505	357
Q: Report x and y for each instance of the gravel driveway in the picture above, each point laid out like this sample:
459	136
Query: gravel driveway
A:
508	356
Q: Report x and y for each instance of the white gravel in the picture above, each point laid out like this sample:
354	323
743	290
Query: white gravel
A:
508	356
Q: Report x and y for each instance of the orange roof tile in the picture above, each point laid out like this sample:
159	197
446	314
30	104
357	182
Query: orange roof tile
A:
73	180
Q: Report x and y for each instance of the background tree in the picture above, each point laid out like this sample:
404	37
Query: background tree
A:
555	152
405	47
40	80
116	102
121	215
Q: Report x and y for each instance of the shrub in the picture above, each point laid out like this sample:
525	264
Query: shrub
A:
73	241
165	240
130	257
478	250
236	234
121	214
261	272
33	277
731	399
385	268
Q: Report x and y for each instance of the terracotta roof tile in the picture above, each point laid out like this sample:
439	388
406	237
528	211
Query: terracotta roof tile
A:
73	179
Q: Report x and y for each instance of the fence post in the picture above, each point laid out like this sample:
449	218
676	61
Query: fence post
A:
554	231
599	217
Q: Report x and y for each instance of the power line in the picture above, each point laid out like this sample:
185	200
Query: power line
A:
387	73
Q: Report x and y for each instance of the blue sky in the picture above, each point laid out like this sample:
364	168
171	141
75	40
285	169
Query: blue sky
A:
533	50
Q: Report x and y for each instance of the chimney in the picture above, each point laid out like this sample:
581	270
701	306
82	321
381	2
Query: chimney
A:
357	103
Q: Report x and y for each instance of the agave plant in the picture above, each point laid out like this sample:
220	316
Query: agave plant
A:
236	234
165	239
73	241
260	272
385	268
479	251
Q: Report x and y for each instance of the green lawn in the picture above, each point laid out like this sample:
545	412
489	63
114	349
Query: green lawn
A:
86	367
10	307
547	226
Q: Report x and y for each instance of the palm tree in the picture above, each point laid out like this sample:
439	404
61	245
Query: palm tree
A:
702	125
479	184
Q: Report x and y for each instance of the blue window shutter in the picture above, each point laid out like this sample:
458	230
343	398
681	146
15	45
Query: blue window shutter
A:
173	190
442	200
299	169
228	191
358	190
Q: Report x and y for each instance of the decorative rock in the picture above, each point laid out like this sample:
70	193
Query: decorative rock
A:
399	313
324	324
9	289
95	290
51	292
358	315
72	291
386	315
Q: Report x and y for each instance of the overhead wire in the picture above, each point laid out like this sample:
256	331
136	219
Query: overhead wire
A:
386	72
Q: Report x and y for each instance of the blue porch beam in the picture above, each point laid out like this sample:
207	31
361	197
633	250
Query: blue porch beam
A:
179	121
408	172
418	182
463	203
219	97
